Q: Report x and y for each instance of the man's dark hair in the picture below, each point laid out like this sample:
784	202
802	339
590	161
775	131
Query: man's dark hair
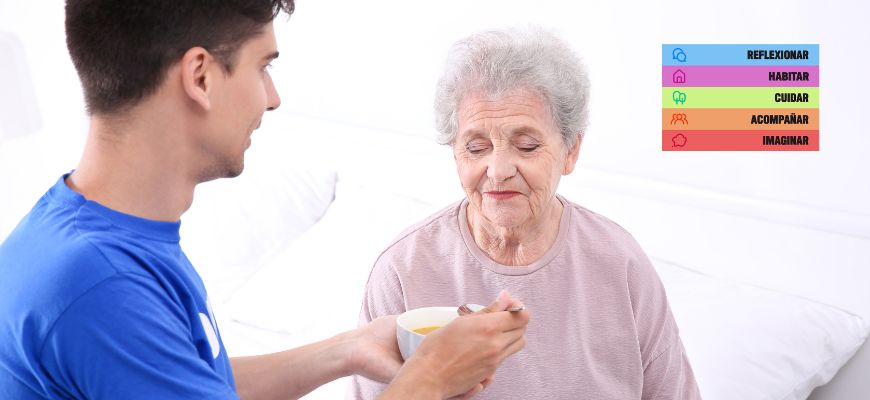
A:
122	49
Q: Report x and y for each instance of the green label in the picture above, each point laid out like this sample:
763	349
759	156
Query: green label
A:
740	97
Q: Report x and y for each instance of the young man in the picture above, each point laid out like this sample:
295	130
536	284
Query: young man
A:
97	299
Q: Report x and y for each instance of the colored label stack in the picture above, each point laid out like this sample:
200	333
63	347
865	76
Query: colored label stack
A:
749	97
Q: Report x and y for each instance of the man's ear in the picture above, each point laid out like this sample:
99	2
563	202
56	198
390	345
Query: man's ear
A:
197	75
572	156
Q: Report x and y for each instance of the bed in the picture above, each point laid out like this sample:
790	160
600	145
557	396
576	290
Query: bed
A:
286	248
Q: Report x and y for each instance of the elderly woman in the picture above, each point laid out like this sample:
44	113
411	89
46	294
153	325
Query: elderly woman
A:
513	106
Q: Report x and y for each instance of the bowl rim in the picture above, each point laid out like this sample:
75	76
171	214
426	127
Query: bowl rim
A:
405	328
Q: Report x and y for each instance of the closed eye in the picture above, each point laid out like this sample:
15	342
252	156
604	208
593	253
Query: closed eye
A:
477	146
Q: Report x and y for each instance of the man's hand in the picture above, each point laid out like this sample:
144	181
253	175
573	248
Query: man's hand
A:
375	353
370	351
461	357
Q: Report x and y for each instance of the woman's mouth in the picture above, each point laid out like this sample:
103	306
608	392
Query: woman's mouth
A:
502	195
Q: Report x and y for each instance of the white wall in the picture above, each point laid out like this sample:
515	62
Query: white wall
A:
376	63
39	27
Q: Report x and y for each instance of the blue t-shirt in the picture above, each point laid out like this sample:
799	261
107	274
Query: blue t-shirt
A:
99	304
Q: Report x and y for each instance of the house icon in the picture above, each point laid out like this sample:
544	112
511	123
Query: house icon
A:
679	76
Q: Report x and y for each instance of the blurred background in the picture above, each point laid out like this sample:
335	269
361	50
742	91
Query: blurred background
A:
375	64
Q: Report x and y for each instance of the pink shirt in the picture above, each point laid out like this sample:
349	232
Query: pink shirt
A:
600	326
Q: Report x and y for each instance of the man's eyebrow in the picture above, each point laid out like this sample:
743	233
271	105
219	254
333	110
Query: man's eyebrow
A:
271	57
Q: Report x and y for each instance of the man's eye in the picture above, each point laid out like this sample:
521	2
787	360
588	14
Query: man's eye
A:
529	148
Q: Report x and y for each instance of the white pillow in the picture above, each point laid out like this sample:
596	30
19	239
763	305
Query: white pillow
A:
314	288
746	342
413	167
235	226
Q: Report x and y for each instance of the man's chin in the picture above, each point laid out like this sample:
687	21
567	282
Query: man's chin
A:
222	171
235	171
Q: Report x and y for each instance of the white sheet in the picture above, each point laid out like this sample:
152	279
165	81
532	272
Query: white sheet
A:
746	342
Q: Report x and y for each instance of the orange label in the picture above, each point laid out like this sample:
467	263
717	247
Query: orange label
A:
785	119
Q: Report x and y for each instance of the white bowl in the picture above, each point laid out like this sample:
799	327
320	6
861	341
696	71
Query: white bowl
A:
416	319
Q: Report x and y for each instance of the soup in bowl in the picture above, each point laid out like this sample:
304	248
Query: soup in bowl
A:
413	326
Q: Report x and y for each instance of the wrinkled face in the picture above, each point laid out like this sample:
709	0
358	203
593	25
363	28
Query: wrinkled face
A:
239	101
510	157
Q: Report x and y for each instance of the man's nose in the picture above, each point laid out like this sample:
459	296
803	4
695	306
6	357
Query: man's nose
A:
273	100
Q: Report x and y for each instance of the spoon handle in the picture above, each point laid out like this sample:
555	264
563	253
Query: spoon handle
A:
466	309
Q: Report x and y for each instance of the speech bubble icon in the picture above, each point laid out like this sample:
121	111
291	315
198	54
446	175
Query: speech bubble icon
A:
679	55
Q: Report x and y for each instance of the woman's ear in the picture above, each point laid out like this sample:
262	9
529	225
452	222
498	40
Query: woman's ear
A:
572	156
196	75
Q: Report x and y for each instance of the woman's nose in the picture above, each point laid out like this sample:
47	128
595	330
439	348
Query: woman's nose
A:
501	166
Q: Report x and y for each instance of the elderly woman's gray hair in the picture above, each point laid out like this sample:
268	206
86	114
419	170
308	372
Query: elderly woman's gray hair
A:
497	62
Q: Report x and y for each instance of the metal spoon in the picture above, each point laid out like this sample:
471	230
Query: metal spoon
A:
466	309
